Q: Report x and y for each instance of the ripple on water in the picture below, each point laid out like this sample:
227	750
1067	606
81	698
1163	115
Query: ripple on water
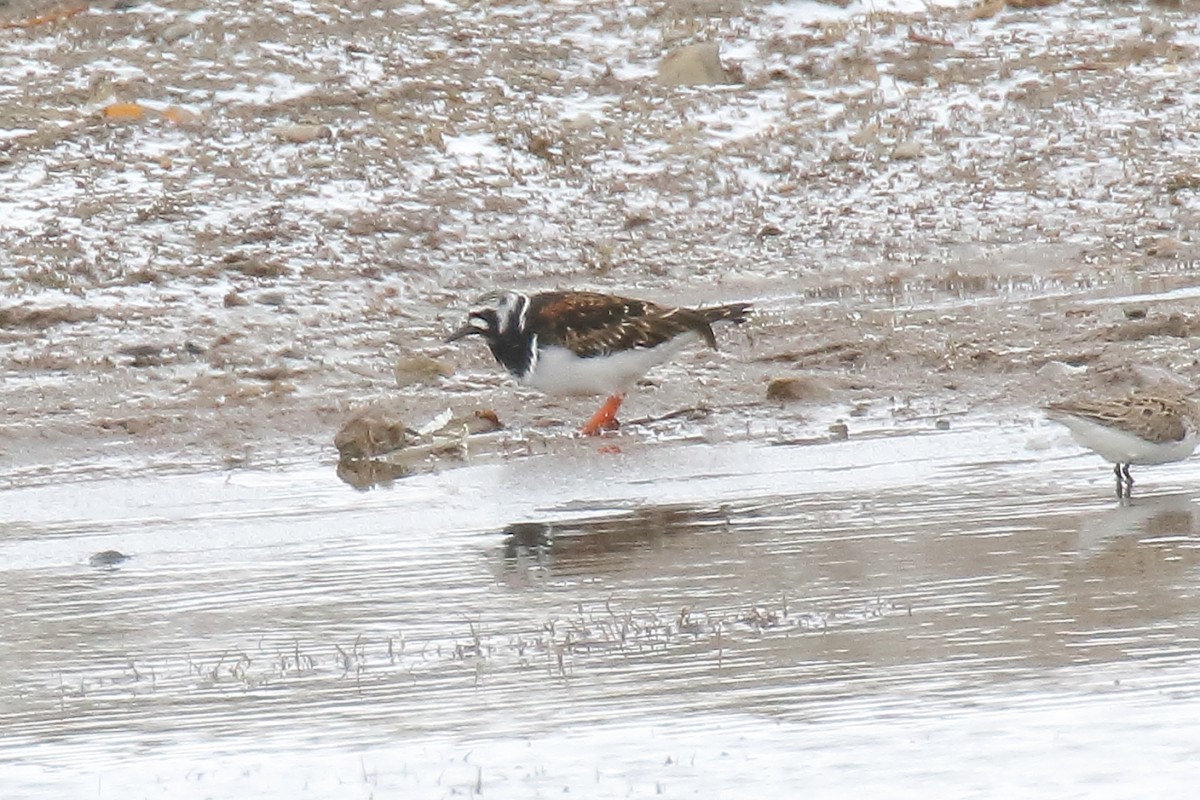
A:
258	608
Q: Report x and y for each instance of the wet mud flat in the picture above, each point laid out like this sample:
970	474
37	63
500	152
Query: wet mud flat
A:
229	226
966	609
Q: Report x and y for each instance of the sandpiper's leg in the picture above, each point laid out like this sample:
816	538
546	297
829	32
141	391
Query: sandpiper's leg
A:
604	419
1120	481
1128	481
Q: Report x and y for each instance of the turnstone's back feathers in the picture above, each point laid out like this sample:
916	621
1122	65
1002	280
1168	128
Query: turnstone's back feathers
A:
587	342
592	324
1143	428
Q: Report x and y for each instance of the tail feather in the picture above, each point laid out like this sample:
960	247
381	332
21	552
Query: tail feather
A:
734	312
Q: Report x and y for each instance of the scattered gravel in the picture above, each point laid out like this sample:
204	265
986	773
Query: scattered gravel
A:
228	226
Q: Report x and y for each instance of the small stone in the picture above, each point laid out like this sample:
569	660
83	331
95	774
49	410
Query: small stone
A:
694	65
144	355
233	299
1054	370
581	123
180	116
942	424
302	134
906	151
637	219
802	388
272	299
865	135
176	31
257	268
540	146
839	432
270	374
108	558
123	112
418	370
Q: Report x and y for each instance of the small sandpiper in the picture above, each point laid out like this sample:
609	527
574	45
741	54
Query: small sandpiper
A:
1143	428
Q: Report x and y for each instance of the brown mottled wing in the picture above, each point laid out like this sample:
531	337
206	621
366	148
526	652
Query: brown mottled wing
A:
591	324
1156	419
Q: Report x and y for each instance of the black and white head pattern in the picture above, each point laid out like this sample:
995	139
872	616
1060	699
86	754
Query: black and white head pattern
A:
501	319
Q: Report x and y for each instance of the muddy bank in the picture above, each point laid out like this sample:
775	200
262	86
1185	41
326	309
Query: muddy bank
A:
230	227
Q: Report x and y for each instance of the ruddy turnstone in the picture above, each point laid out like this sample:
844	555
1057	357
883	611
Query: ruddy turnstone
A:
586	343
1143	428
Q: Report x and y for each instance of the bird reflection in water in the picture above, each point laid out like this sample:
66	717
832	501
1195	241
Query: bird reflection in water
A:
367	473
607	540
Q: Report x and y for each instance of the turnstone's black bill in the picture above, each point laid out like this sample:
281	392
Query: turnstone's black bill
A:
1143	428
586	343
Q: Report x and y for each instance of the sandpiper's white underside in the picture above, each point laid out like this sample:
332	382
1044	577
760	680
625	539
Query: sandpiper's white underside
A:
1122	447
558	371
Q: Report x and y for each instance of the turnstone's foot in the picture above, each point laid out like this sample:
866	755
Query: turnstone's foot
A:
605	419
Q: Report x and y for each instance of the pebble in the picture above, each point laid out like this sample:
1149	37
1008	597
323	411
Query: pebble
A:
108	558
176	31
804	388
418	370
1059	369
272	299
302	134
693	65
906	150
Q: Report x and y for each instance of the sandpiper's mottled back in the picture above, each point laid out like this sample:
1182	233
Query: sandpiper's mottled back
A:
1143	428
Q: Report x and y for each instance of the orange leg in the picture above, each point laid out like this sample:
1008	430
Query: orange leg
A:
604	419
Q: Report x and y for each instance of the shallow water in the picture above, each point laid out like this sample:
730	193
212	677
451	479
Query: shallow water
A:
964	612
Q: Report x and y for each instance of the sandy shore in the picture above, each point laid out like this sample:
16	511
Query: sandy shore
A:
231	226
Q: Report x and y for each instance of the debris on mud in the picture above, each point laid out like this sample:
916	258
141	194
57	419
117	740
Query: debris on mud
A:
376	445
371	433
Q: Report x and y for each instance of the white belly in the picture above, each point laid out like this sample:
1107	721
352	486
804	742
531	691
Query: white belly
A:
558	371
1121	447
